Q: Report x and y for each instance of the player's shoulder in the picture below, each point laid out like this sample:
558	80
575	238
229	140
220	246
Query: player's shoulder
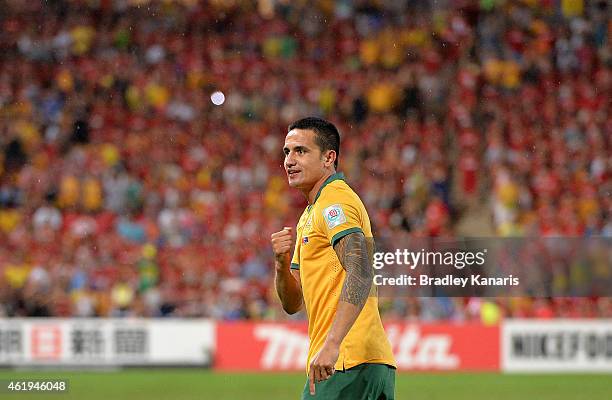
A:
339	191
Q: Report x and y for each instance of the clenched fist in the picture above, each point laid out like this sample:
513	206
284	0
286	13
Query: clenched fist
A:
281	245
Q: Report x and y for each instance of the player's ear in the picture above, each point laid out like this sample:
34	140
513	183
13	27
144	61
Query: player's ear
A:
329	157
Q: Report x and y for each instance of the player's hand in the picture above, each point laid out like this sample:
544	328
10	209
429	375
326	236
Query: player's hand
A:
322	365
281	245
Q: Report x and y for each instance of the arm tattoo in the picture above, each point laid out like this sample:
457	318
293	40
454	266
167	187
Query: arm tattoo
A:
352	252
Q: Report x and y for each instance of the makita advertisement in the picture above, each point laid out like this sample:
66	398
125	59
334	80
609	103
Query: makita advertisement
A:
557	346
431	347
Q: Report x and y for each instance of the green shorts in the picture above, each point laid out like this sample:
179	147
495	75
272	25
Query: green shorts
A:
362	382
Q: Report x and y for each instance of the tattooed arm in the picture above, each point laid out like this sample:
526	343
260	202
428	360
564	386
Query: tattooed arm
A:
352	251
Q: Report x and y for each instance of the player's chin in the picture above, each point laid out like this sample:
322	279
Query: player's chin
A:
293	182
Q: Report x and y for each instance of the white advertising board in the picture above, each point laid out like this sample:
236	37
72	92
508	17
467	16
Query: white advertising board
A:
556	346
106	342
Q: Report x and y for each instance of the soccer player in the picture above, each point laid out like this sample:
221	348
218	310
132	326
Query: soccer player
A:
349	355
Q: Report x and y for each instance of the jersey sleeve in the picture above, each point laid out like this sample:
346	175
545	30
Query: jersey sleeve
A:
340	218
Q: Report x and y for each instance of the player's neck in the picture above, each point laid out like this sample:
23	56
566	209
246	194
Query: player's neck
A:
312	194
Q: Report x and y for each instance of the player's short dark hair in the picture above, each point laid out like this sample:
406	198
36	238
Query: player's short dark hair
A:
327	136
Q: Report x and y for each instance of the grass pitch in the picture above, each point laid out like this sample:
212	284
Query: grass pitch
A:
178	384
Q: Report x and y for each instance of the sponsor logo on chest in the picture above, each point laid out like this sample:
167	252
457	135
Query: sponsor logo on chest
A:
306	230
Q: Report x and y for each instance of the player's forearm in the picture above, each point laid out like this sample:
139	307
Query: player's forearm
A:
288	289
346	315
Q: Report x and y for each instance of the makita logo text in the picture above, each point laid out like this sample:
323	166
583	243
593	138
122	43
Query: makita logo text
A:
416	351
288	349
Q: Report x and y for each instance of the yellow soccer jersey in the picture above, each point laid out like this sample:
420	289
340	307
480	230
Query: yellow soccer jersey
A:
336	212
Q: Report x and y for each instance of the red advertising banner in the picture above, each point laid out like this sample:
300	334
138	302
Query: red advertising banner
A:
244	346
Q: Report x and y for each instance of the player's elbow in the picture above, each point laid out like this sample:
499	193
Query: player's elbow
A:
292	308
291	311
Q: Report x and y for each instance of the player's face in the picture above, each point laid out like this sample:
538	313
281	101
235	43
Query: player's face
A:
304	162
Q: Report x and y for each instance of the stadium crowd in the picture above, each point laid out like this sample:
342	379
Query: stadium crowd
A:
124	191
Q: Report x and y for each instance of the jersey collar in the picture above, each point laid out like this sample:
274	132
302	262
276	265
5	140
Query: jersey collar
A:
334	177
